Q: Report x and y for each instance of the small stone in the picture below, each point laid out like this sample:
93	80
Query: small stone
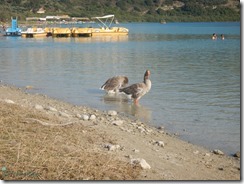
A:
134	124
218	152
112	147
136	150
9	101
78	116
161	128
117	122
141	162
64	114
160	143
92	117
128	156
29	87
85	117
51	109
112	113
149	130
161	131
141	129
38	107
237	154
196	152
207	154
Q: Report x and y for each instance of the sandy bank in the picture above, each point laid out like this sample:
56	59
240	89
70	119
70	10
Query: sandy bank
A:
47	139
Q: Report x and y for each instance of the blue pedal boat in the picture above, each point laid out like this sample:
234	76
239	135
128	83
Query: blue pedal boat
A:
13	30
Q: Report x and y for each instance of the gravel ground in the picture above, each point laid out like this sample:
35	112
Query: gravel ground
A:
47	139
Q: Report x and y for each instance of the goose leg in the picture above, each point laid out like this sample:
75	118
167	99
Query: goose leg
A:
136	101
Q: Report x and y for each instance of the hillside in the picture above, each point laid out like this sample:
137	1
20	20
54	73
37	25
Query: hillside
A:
126	10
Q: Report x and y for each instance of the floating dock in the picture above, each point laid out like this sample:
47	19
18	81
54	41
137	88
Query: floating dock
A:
61	32
73	32
104	29
81	32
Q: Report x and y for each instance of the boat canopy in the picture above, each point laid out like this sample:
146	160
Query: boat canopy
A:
107	23
104	17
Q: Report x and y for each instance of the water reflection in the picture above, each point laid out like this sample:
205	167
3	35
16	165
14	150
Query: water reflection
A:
101	39
62	40
112	99
123	104
139	111
95	39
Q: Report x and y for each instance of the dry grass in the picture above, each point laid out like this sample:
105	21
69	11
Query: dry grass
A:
31	151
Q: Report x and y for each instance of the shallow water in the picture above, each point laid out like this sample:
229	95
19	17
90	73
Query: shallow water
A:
195	80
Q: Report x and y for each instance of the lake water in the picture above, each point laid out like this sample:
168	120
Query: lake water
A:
195	80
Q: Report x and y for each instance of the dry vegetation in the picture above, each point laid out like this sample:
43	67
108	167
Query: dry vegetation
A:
31	151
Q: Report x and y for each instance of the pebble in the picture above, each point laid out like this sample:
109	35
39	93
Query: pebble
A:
9	101
149	130
51	109
129	156
218	152
221	168
196	152
141	162
141	129
134	124
112	113
125	129
64	114
237	154
136	150
39	107
207	154
78	116
92	117
161	128
29	87
112	147
159	143
117	122
161	131
85	117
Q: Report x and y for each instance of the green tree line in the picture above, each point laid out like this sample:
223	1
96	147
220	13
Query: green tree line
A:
127	10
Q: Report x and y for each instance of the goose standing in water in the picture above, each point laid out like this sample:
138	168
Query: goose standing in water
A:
112	85
136	91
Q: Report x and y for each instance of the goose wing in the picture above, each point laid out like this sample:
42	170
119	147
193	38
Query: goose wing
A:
136	90
115	83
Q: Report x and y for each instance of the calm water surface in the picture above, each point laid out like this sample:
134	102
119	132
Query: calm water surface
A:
195	80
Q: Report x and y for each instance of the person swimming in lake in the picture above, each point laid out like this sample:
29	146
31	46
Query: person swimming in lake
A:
222	37
214	36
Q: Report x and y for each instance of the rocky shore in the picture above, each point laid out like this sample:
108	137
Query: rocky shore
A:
47	139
